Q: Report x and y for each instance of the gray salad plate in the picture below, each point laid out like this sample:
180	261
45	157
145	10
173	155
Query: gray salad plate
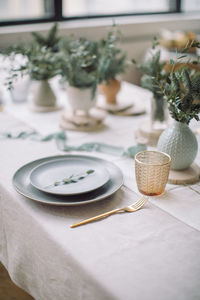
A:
21	182
48	177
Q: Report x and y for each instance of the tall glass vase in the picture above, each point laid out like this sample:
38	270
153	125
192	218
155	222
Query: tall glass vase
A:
159	113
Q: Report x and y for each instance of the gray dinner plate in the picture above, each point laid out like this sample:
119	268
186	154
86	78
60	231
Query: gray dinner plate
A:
21	182
46	175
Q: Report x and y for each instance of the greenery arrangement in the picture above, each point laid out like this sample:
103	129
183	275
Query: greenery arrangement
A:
181	88
80	63
40	59
88	63
51	41
113	60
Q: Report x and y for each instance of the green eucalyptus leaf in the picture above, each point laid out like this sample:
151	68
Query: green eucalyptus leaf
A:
72	179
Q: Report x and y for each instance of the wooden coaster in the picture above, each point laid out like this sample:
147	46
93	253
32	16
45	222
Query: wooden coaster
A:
150	135
123	107
135	110
187	176
37	108
82	122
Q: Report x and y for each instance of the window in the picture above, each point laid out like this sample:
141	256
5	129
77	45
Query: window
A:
33	11
25	9
101	7
190	5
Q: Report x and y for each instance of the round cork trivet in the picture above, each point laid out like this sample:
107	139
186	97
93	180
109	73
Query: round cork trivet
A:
187	176
122	107
83	122
119	105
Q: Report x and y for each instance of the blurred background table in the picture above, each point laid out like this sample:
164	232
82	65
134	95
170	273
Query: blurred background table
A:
151	254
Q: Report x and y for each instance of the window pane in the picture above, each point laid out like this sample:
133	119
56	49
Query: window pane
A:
190	5
103	7
25	9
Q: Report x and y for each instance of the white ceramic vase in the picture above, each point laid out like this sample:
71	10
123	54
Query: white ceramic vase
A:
80	99
20	91
180	143
44	95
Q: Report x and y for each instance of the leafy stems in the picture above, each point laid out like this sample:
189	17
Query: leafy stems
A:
113	60
39	59
80	63
71	179
182	88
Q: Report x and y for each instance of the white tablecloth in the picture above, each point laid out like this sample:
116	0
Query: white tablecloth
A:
152	254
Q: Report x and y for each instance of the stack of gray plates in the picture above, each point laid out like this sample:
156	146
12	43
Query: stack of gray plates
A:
68	180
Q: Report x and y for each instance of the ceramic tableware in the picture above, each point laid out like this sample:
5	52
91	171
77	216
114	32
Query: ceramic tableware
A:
69	176
21	182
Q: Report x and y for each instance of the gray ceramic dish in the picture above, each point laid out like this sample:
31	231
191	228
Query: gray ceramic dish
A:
43	176
21	182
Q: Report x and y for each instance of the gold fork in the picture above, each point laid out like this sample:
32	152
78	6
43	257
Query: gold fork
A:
131	208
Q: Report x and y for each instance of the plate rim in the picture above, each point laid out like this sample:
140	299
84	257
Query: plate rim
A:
63	203
66	194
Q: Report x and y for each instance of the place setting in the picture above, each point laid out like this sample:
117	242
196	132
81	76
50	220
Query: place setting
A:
68	180
71	180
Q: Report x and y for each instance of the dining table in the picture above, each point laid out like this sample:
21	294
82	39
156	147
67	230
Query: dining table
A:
150	254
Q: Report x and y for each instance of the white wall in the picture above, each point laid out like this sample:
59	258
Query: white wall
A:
138	32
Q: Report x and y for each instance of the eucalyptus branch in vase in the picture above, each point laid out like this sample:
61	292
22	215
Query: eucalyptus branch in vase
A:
182	92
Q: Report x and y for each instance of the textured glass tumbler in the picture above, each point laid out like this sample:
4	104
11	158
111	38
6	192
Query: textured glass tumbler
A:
152	171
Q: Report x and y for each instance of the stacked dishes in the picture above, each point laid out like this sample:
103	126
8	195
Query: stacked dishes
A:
68	180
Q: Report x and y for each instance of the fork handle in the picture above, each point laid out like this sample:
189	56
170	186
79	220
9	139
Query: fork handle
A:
96	217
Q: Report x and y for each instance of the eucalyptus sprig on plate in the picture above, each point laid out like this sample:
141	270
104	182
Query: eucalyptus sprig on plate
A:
72	179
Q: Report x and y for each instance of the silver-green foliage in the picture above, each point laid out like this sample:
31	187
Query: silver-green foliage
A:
88	63
183	95
113	60
80	63
41	59
83	63
182	88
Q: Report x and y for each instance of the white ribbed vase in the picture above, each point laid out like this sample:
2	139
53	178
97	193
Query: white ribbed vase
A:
80	99
180	143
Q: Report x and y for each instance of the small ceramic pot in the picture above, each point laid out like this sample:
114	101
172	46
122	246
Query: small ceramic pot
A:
180	143
110	90
44	95
80	99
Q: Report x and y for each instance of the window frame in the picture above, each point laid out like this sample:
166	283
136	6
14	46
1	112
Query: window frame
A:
175	7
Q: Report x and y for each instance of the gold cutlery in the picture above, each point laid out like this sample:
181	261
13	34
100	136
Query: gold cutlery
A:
131	208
